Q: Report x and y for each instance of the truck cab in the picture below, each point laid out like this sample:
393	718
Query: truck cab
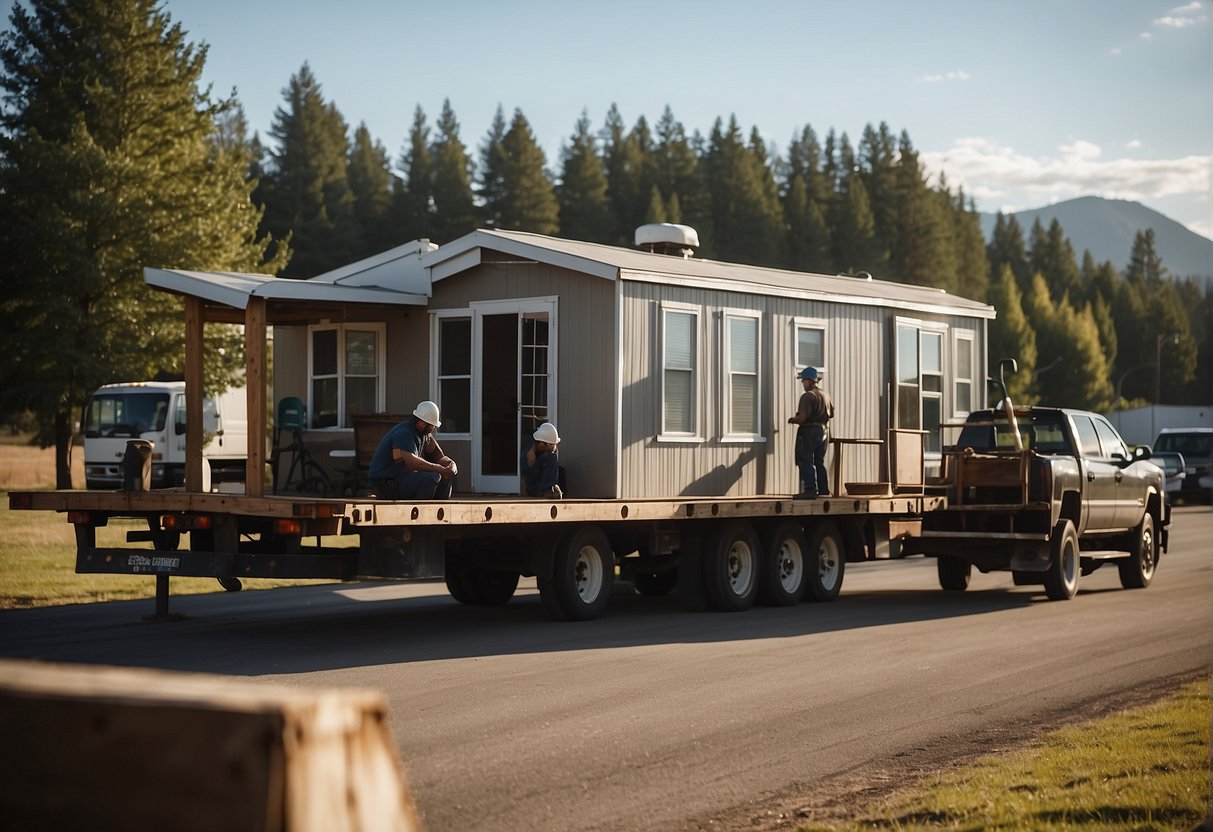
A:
155	411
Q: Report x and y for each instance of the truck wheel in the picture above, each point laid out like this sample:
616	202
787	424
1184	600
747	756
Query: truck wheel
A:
458	585
1061	578
954	573
1137	570
493	587
784	551
654	585
826	563
582	572
730	566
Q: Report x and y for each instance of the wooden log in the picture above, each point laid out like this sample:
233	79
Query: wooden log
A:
113	748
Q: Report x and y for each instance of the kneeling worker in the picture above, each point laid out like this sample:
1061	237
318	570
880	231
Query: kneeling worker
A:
541	464
410	462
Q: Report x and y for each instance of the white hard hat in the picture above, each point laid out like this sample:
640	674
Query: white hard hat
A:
427	411
547	433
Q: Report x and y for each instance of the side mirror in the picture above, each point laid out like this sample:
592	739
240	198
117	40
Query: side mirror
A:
1142	452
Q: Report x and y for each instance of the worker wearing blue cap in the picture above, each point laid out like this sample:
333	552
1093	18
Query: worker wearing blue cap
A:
813	416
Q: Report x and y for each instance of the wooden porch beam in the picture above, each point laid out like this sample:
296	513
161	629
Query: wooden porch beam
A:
193	393
255	377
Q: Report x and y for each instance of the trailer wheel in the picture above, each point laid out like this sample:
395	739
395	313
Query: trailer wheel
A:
785	551
493	587
1137	571
826	563
457	584
1061	578
730	566
654	585
582	572
954	573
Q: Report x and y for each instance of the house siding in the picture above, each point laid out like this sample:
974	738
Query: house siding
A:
585	347
857	373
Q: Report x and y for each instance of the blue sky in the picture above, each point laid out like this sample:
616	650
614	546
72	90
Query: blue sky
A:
1023	103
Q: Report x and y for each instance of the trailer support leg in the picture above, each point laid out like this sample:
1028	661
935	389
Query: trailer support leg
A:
162	613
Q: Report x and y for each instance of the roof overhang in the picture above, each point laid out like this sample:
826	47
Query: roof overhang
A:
468	251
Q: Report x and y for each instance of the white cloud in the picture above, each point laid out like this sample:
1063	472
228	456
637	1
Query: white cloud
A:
994	173
1115	51
1133	144
1181	17
955	75
1147	36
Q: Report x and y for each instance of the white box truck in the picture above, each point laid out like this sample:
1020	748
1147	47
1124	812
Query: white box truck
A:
155	411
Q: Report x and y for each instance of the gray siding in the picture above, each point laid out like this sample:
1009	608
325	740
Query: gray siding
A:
585	326
857	375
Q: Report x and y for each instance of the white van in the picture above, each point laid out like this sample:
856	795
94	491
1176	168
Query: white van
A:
155	410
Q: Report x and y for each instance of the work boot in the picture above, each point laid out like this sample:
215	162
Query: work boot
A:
554	493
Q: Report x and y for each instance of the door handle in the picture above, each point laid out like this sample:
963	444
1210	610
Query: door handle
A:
1090	476
1119	476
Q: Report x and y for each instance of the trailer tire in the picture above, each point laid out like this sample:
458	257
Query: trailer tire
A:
582	571
826	562
1137	571
654	585
457	584
784	554
493	587
954	573
1061	578
731	564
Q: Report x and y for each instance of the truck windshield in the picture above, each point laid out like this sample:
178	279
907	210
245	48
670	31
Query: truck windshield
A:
1041	432
125	414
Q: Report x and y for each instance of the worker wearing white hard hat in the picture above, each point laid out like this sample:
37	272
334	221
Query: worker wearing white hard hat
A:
540	464
409	463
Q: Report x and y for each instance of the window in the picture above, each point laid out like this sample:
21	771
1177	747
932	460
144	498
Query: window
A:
809	345
346	363
680	377
1113	445
741	375
455	374
920	381
962	401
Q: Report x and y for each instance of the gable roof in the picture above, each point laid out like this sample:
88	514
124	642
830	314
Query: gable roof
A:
617	263
234	289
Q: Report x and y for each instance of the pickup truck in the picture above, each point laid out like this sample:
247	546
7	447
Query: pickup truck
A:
1049	494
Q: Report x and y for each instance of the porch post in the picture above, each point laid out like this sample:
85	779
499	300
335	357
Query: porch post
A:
255	377
193	393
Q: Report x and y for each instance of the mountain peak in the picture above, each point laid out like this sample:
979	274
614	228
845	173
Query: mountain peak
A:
1106	228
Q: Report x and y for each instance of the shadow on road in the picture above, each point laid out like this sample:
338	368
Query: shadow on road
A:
337	626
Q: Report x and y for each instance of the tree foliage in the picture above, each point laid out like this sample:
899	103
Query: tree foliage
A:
113	159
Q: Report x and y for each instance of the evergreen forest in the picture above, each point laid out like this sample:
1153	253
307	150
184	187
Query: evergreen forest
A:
114	156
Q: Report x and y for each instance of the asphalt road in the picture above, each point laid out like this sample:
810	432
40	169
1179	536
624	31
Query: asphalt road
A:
658	718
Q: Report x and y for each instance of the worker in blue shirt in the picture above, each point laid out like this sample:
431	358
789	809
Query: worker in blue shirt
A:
409	463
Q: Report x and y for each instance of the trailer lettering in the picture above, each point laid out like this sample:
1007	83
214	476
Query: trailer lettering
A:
159	563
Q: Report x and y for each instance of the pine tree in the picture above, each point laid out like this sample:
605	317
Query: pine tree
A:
745	208
675	170
492	171
306	190
370	179
1007	248
877	161
584	209
113	159
627	188
528	200
1011	336
805	198
856	248
1053	256
972	267
415	199
454	208
922	252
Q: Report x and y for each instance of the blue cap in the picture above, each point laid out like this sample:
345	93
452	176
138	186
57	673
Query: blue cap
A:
809	373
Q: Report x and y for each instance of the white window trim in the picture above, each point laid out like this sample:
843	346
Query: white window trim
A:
941	329
435	358
809	323
966	338
696	436
343	418
728	437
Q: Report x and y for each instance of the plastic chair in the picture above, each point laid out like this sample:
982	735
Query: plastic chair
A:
292	416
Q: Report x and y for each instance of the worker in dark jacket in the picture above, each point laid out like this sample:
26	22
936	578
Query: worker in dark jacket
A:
540	464
813	416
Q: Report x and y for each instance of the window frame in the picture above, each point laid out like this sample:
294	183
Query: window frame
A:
962	339
343	418
696	435
727	435
921	328
436	376
819	324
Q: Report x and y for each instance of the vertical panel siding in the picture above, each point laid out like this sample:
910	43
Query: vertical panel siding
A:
857	374
585	373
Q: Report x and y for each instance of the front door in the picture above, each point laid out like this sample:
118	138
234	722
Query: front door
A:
514	390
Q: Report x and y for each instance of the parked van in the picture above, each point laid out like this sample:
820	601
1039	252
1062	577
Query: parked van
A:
155	410
1196	445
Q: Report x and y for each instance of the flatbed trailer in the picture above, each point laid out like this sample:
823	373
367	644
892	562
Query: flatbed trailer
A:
717	553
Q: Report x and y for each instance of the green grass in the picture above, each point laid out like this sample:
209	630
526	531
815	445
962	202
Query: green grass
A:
38	563
1144	769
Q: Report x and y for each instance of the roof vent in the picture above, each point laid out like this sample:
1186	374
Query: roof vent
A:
667	238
